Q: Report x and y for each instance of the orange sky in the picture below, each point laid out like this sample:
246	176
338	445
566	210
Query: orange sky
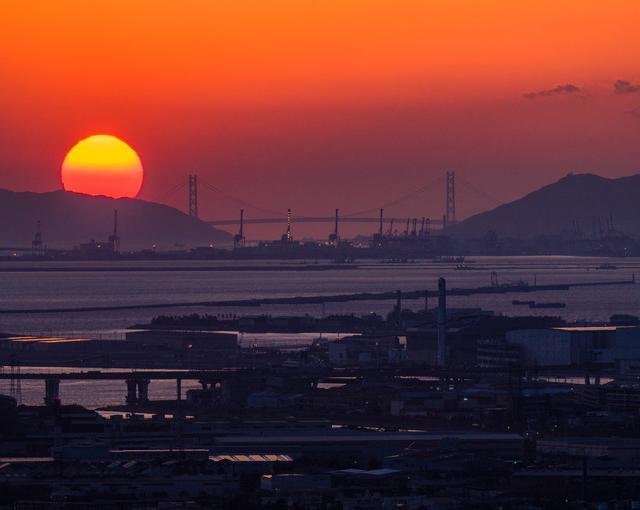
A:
358	101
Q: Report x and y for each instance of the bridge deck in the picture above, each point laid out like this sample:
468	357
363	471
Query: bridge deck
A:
316	219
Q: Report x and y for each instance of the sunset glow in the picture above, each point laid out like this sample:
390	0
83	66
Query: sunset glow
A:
102	165
346	102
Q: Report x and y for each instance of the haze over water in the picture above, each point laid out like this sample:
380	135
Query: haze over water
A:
49	290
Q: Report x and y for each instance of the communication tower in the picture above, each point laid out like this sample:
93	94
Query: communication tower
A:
288	237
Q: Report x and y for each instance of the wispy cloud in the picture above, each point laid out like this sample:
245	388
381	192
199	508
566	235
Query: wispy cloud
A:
566	89
622	87
634	113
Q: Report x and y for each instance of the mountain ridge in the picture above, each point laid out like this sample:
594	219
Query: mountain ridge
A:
69	219
557	207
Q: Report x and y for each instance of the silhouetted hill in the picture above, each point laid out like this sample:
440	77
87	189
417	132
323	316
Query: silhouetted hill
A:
69	219
553	209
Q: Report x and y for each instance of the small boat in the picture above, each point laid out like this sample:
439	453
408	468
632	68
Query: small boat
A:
607	266
547	305
519	302
449	259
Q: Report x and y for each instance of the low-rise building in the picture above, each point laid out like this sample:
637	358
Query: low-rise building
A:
365	350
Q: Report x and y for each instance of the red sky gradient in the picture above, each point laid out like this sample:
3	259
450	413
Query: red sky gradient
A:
317	105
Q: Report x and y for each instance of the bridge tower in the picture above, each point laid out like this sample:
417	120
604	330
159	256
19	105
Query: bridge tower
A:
451	199
193	195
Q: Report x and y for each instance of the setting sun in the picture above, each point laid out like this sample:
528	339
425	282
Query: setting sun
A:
102	165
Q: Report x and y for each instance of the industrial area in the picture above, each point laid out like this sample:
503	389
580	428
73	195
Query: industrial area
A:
393	238
437	407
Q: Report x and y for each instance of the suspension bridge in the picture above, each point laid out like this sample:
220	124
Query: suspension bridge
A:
195	184
417	225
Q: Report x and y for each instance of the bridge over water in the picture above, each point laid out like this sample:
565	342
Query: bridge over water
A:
137	382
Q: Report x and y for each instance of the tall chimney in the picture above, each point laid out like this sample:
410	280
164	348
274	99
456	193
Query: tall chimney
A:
442	322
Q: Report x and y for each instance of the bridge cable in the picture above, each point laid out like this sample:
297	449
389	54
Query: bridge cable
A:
478	191
400	199
239	200
171	191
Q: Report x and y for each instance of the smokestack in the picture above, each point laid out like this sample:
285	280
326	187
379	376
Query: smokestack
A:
335	228
381	221
442	322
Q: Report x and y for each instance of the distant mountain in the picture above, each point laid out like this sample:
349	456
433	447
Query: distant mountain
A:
69	219
555	208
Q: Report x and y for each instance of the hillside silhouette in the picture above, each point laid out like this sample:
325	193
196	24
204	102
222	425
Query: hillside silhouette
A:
69	219
573	201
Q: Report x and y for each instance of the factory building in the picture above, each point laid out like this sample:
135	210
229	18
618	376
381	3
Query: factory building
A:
564	346
365	350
